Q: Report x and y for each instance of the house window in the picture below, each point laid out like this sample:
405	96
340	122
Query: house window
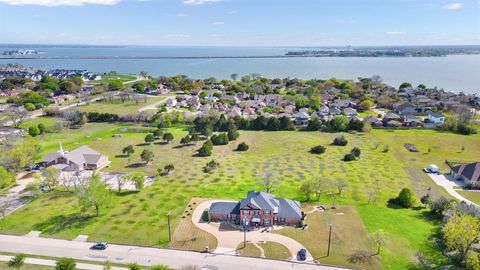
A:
266	222
267	212
282	219
246	212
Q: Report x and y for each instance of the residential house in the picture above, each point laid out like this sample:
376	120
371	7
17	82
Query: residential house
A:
350	112
259	209
412	121
391	117
436	118
405	108
301	118
82	158
171	102
374	122
468	173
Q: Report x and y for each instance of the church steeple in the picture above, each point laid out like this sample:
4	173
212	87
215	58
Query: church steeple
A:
61	150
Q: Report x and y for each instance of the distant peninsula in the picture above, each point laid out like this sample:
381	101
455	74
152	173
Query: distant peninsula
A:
400	51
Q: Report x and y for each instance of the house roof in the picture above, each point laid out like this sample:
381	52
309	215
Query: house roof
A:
436	114
470	171
225	208
81	155
286	208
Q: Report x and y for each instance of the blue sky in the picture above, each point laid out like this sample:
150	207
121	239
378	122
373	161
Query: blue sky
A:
241	22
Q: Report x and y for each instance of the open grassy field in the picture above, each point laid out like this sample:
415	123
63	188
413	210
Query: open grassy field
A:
140	218
113	77
473	196
117	107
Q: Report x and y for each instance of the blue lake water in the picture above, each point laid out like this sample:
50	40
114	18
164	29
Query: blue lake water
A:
454	73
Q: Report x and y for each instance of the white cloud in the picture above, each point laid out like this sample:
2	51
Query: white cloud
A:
453	6
395	33
218	23
200	2
53	3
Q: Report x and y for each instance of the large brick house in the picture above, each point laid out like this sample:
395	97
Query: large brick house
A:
258	209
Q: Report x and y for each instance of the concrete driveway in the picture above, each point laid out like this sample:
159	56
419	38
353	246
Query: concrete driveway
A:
229	239
449	185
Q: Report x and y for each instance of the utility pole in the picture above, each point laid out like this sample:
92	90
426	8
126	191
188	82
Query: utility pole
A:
244	236
169	231
329	240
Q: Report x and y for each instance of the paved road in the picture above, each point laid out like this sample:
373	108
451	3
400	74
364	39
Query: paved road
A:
449	184
154	106
228	239
142	255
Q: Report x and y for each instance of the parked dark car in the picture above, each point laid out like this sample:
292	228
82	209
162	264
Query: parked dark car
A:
100	246
302	254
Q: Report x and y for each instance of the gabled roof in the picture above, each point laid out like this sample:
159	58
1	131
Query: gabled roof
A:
470	171
225	208
286	208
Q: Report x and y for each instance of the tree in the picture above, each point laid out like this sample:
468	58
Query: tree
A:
269	181
379	238
233	134
206	149
219	139
405	85
134	266
158	133
66	264
160	267
51	177
314	124
242	147
340	141
234	76
426	199
147	156
340	123
128	150
185	140
405	199
460	232
356	152
149	138
16	115
6	178
194	137
286	123
17	261
307	188
319	149
169	168
365	104
121	181
42	128
168	137
138	180
273	124
95	194
341	185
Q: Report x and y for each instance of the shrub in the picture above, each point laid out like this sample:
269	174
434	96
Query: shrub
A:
242	147
33	131
66	264
319	149
17	261
405	199
42	128
356	152
206	216
210	166
340	141
134	266
349	157
6	178
29	106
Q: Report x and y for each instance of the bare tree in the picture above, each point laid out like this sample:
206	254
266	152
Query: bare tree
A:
341	186
379	238
16	115
121	180
319	187
269	181
373	193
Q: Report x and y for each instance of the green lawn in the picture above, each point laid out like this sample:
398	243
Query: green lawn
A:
274	250
4	265
250	250
286	153
117	107
473	196
113	77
